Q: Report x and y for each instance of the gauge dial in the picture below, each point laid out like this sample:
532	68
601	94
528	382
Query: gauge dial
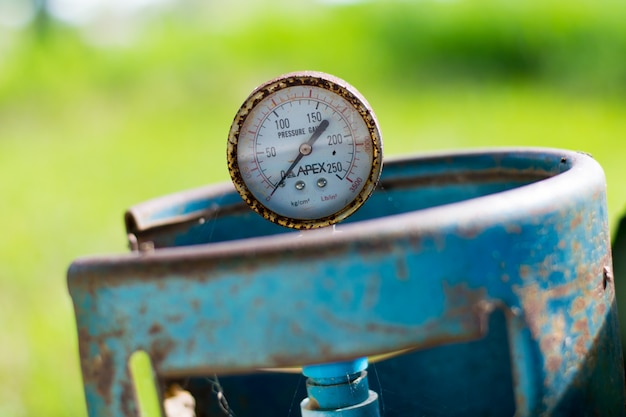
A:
305	150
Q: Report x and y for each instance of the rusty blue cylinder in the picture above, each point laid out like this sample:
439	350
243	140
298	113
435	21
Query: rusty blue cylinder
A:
485	278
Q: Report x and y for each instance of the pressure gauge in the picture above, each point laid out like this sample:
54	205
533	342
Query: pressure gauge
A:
305	150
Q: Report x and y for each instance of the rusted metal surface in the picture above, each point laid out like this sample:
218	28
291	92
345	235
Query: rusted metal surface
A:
446	242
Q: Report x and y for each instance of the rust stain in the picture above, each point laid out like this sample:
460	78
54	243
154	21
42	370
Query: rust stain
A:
534	302
545	269
576	221
207	326
127	398
551	344
552	341
553	363
175	318
97	369
462	297
402	272
533	307
328	284
385	328
579	347
190	346
415	241
561	291
155	329
469	305
583	273
470	232
464	305
372	292
513	229
295	328
581	326
524	271
578	306
84	340
347	296
104	371
159	351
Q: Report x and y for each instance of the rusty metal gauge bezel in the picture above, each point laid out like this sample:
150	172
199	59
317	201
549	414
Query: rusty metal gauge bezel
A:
332	86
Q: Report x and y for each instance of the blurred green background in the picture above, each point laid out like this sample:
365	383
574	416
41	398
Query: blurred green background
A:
104	110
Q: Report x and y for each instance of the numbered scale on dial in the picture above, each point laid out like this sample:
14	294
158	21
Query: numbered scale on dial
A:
305	150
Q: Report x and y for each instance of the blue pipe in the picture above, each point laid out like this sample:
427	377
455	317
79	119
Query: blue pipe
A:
339	389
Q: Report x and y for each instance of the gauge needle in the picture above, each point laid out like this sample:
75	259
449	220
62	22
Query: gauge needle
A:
305	149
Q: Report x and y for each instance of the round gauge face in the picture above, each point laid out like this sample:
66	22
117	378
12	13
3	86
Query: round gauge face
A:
305	150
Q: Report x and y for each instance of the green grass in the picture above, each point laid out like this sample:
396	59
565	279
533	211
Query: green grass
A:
87	132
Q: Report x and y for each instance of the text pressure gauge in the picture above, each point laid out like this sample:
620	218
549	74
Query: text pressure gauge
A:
305	150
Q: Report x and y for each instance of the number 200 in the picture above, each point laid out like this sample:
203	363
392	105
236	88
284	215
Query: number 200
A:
335	139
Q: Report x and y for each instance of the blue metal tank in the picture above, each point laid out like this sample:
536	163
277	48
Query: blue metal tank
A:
483	278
